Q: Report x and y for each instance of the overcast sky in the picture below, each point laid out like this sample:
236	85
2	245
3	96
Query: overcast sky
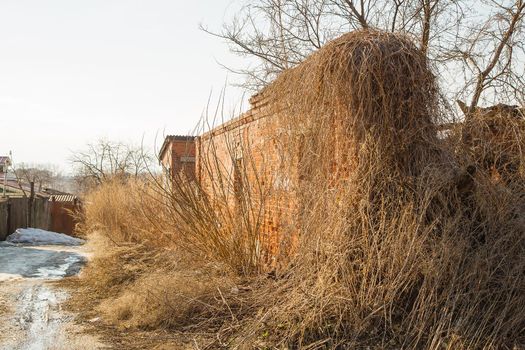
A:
72	71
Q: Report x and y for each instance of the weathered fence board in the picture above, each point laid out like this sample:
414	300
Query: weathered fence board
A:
61	218
18	213
41	217
3	220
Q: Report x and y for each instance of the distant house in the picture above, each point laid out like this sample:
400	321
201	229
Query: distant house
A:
177	156
5	162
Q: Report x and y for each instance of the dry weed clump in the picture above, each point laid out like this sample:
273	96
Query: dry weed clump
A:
183	214
400	244
170	299
112	210
217	223
142	274
143	288
130	211
112	268
494	139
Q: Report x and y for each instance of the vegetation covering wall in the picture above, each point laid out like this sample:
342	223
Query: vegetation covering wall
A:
404	239
247	154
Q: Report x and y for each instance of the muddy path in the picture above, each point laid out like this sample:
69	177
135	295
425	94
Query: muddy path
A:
31	315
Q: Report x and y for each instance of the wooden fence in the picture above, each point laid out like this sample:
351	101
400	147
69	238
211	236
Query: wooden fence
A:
61	219
21	212
3	220
37	212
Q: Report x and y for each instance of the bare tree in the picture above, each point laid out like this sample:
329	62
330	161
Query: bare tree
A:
105	160
476	47
281	33
41	175
492	51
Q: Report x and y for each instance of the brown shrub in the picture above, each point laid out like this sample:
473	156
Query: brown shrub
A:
112	267
400	245
493	138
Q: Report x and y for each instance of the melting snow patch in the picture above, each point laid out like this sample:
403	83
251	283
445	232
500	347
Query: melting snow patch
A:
72	262
35	236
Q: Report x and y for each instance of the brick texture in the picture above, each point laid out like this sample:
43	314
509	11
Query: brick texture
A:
177	156
246	151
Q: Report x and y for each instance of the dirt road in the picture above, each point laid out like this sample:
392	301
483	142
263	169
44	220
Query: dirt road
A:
31	316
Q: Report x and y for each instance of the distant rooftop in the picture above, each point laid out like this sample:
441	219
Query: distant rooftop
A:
63	198
170	138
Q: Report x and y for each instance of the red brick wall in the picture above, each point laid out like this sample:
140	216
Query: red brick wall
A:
179	156
253	140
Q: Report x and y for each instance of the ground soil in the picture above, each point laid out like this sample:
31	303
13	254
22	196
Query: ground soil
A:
45	306
84	305
31	313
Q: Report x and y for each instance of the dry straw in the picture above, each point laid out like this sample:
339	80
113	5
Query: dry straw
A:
401	241
494	139
400	244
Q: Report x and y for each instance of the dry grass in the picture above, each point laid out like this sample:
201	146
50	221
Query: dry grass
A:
164	305
143	297
4	307
182	215
218	222
119	210
115	267
401	246
493	138
167	299
401	242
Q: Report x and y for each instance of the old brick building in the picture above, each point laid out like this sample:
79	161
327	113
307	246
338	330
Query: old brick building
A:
245	155
243	158
177	155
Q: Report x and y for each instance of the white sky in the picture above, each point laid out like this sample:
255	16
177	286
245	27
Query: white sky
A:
72	71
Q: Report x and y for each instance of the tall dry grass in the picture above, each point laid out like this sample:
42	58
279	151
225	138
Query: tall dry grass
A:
402	243
166	256
117	209
180	214
493	138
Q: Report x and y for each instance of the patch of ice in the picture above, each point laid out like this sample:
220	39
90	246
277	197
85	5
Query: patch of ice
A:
35	236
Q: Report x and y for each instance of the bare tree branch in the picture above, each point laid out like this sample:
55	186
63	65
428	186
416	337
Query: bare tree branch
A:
516	15
474	46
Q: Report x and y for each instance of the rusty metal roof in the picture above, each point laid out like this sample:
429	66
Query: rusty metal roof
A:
63	198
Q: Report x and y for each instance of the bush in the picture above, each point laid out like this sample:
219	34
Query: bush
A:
400	242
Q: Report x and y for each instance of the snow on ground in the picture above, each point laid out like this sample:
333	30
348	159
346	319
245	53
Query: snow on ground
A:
32	262
35	236
33	318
